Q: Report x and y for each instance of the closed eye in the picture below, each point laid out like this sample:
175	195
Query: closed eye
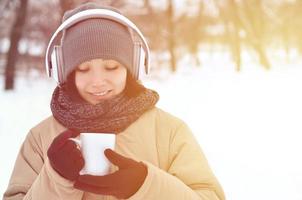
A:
112	68
83	68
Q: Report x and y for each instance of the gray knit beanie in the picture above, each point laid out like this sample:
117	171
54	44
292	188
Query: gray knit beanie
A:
95	38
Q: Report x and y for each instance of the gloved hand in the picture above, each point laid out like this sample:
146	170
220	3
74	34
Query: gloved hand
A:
64	156
122	184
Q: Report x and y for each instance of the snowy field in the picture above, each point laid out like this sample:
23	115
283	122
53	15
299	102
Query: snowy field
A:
249	124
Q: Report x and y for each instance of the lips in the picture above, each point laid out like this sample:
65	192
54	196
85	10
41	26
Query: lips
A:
100	94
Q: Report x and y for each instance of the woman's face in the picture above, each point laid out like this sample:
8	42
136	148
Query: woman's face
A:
100	79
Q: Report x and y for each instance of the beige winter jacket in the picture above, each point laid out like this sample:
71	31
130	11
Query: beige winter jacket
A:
177	168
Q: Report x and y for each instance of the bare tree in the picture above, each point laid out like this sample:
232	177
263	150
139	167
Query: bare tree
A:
295	19
66	5
171	38
229	14
233	33
249	17
255	27
148	6
15	35
195	36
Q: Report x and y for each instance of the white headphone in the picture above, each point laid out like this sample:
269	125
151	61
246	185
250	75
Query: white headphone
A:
54	58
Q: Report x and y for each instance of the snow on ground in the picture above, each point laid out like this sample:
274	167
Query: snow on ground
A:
248	124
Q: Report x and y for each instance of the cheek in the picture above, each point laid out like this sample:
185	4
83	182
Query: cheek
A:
122	80
79	82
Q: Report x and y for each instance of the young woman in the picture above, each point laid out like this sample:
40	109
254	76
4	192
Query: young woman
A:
155	156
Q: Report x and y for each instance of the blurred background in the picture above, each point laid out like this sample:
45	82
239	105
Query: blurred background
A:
230	68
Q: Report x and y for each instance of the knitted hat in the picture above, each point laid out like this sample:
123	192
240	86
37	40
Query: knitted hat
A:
95	38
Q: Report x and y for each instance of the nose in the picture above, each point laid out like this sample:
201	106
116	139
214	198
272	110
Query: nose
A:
98	78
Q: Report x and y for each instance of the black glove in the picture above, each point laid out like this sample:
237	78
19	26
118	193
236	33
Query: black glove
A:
122	184
64	156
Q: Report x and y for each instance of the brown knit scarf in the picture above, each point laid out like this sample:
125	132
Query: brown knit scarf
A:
111	115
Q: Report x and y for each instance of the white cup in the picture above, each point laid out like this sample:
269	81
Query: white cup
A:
92	146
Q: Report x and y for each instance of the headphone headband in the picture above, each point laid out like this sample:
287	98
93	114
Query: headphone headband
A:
97	13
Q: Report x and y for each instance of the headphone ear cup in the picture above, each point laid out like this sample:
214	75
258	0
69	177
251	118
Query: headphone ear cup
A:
56	65
136	60
142	65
